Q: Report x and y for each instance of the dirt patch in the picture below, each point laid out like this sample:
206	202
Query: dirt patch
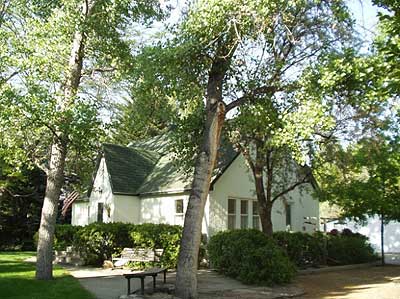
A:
367	283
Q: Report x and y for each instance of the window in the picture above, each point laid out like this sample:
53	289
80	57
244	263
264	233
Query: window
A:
244	213
256	216
179	212
288	210
100	210
231	213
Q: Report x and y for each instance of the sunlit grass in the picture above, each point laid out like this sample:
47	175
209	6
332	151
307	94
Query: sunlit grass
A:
17	280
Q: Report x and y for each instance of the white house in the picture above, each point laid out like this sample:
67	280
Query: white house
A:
140	183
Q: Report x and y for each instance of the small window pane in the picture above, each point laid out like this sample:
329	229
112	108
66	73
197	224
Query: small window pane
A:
231	206
231	221
100	210
243	206
256	222
288	216
179	206
255	208
244	222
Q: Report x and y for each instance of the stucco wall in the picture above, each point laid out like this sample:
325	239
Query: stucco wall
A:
79	213
161	209
126	209
237	182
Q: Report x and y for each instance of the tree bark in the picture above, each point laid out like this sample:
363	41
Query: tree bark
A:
55	180
186	279
55	175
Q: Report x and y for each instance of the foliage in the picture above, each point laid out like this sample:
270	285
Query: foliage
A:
158	236
97	242
21	197
364	179
250	256
304	250
348	248
17	280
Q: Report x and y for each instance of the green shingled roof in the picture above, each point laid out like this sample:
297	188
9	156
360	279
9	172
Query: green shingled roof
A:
147	167
128	167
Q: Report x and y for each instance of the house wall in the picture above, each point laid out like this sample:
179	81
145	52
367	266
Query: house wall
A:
161	209
237	182
80	213
126	209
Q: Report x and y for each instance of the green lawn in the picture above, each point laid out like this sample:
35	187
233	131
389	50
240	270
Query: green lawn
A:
17	280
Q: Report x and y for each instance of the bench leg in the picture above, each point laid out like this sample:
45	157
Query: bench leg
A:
165	276
142	285
129	286
154	282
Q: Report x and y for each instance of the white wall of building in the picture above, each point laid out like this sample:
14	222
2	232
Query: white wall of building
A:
126	209
80	213
373	231
237	183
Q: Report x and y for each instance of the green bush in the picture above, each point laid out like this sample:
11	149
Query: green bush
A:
303	249
250	256
158	236
349	249
97	242
64	236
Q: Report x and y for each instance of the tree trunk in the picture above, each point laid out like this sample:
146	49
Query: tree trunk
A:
55	174
264	204
55	180
382	240
186	278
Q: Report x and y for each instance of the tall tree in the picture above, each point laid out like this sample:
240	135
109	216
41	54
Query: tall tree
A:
216	62
63	48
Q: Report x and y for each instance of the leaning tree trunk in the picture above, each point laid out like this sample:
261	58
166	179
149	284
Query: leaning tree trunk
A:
186	279
55	174
55	180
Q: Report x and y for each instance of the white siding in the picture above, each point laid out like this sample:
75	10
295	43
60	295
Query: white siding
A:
79	213
126	209
237	182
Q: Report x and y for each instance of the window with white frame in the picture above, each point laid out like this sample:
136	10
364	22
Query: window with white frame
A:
256	215
231	213
244	214
179	212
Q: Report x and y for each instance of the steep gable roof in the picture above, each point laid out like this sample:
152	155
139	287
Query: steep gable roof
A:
147	167
128	167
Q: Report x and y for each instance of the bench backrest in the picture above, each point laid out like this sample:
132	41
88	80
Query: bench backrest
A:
142	254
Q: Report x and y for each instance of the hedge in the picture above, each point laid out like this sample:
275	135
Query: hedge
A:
342	248
250	256
97	242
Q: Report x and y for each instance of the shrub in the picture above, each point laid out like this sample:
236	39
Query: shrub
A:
303	249
158	236
64	236
349	249
250	256
97	242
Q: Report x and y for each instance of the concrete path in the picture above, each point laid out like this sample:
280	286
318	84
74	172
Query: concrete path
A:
109	284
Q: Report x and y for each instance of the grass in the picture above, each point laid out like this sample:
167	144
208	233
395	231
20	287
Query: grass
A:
17	280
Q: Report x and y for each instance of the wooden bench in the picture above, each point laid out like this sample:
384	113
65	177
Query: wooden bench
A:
153	272
137	255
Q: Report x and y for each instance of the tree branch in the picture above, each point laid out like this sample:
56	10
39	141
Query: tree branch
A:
248	97
303	181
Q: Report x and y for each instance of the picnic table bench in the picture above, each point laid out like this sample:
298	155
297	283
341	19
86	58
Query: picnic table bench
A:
140	255
153	272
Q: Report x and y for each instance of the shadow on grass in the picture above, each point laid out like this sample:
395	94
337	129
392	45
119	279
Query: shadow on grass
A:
17	281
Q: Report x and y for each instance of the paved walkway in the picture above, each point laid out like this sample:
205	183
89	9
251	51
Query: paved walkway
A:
109	284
